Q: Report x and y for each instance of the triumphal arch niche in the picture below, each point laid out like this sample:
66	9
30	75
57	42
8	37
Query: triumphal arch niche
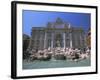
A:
57	34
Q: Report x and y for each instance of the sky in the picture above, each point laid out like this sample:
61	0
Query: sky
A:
41	18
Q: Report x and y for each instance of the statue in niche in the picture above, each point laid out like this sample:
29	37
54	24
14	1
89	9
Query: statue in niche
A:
58	43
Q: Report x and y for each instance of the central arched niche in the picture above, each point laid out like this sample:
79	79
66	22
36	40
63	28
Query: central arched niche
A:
58	40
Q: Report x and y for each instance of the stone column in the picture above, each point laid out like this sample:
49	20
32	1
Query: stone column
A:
40	40
70	36
52	39
80	39
64	41
45	37
70	40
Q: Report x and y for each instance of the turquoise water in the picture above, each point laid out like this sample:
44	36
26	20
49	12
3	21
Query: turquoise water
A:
55	64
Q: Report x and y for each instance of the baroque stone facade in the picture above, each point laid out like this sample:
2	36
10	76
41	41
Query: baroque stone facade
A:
57	34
